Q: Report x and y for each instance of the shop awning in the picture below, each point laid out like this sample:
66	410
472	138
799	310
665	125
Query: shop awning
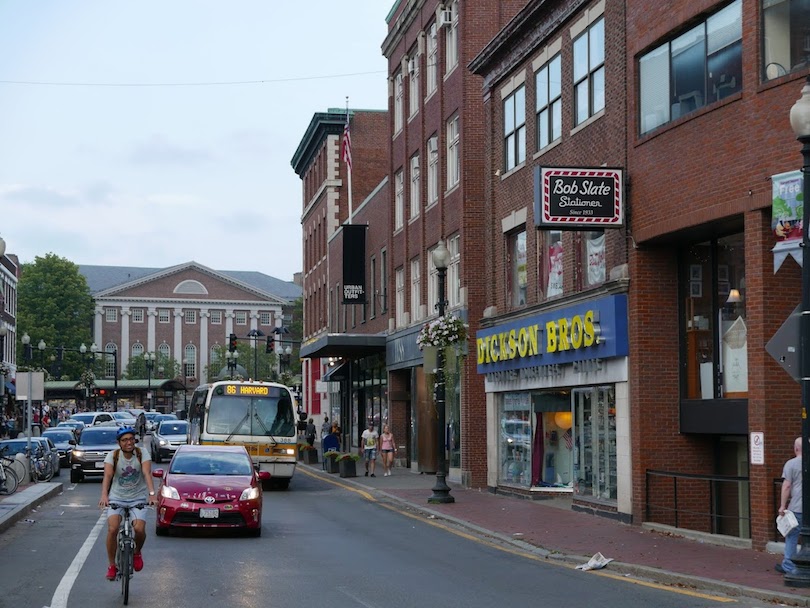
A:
348	346
338	372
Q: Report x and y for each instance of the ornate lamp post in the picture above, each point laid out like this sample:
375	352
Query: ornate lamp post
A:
255	334
149	361
441	491
800	122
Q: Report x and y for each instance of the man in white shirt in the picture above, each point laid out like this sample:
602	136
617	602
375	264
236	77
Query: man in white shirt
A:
369	440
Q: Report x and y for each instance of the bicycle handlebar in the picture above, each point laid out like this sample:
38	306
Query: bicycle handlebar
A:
140	505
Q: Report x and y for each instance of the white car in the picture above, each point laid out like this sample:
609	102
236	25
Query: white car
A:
169	435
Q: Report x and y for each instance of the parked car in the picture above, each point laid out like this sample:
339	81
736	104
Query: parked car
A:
167	438
64	439
20	445
87	458
92	418
219	489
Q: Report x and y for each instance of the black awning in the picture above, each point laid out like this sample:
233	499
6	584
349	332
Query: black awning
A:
338	372
347	346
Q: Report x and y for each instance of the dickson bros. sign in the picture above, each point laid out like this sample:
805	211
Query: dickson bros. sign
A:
578	198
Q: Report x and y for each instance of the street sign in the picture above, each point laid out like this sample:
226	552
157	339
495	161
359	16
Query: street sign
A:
784	346
37	384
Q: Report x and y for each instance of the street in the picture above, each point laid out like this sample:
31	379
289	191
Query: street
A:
322	544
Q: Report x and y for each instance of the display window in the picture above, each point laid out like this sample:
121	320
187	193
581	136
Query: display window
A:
595	442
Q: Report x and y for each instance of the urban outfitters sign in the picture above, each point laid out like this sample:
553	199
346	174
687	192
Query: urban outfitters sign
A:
578	198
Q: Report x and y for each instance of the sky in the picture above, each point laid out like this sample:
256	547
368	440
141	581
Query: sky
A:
186	168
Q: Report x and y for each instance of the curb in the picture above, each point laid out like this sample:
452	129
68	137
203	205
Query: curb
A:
641	572
18	505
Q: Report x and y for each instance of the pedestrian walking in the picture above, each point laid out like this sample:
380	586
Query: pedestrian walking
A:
310	432
791	500
388	447
369	439
326	427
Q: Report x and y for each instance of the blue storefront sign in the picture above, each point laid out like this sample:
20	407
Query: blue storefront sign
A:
589	330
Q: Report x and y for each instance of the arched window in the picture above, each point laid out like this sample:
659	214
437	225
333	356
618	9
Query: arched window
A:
165	352
137	350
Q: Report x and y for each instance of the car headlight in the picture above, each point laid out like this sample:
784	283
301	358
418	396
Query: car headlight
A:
169	492
78	453
163	442
249	494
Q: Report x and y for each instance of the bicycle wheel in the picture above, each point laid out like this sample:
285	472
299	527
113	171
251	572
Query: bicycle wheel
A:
125	570
12	481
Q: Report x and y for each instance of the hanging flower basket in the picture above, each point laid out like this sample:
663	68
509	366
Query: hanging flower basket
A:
441	332
87	379
5	370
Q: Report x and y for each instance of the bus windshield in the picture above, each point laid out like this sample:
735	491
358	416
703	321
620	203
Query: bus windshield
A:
250	415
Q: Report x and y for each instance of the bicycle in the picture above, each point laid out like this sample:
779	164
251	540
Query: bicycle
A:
8	478
41	465
126	548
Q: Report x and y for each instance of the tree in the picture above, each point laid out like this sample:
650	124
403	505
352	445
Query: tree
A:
54	304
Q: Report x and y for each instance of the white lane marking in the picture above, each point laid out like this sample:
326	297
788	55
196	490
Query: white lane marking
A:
60	596
357	599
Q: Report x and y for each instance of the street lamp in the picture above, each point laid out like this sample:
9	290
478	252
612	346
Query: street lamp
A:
255	334
441	491
149	361
28	355
800	122
114	354
232	358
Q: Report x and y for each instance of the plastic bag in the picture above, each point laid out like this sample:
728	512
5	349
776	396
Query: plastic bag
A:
785	523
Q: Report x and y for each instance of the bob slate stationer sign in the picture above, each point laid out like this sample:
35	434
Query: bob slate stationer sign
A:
578	198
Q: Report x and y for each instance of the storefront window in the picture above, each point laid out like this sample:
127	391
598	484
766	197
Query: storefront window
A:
515	439
452	396
550	263
595	442
716	330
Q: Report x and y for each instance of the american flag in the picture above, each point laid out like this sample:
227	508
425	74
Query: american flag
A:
569	439
346	144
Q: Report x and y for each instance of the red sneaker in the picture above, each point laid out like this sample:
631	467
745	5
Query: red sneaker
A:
112	572
137	562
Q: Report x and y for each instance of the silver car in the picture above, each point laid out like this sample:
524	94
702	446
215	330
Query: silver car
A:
170	434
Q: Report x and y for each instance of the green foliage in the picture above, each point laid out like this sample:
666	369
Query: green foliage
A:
54	304
347	456
164	367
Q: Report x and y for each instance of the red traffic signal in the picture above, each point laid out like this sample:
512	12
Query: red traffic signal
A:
232	342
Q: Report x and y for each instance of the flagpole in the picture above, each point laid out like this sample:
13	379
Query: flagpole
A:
349	167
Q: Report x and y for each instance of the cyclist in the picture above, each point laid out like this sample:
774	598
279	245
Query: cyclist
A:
127	480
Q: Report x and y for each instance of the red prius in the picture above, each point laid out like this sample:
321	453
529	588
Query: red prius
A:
210	486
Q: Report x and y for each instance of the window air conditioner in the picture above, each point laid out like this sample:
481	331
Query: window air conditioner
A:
446	18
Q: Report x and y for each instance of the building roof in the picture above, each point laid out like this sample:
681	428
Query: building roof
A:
102	278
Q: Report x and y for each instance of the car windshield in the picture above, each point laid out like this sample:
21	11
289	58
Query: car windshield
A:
211	463
98	436
163	417
85	418
173	428
18	446
60	436
122	416
271	415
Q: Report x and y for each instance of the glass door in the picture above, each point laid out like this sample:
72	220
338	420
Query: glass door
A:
595	443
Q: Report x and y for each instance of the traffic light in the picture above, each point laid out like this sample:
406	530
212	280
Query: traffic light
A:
269	348
232	342
102	392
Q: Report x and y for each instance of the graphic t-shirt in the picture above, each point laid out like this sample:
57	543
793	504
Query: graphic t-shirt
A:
370	439
128	481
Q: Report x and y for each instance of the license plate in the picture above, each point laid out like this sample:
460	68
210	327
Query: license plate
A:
100	464
209	513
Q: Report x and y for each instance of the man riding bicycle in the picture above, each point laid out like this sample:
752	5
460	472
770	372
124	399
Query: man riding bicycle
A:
127	481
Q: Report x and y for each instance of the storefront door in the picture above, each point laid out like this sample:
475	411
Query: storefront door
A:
595	432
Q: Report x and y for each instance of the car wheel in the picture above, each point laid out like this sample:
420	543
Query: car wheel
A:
160	531
75	476
255	532
157	457
57	471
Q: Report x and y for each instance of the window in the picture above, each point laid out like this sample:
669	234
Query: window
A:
451	39
399	204
515	439
163	315
454	272
416	292
433	170
216	317
384	280
190	361
214	357
593	257
432	284
398	102
373	287
137	350
589	72
416	192
516	266
413	83
432	60
550	262
137	315
265	318
700	66
786	36
400	295
240	317
164	352
594	435
549	102
514	128
111	315
453	153
110	360
190	316
710	271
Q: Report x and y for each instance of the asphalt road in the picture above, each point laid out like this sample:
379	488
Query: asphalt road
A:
321	545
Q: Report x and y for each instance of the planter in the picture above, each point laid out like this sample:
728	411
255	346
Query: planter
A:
300	453
310	456
332	465
347	468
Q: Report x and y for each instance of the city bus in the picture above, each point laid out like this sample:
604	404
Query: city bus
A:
257	415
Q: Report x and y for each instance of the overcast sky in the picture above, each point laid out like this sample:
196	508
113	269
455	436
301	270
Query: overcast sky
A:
162	175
